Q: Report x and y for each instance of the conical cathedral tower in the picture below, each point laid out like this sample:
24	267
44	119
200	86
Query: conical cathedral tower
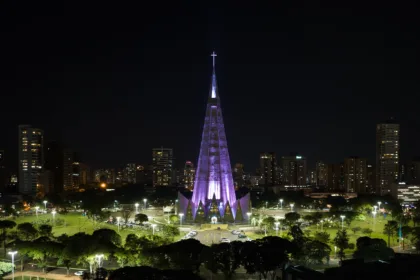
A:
213	180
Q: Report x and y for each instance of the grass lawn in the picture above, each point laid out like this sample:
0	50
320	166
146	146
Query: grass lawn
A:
75	222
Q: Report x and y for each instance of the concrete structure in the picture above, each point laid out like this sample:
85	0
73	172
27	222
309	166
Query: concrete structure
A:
31	159
321	174
188	175
268	168
336	177
387	156
214	197
162	166
355	175
294	170
407	194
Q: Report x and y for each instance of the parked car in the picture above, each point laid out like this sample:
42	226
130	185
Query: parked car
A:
78	273
236	232
241	236
224	240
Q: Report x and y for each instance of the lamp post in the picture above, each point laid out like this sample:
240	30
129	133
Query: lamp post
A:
153	227
53	214
249	216
281	203
374	219
379	203
118	223
13	253
277	227
342	221
45	205
99	258
36	211
176	206
291	206
137	207
180	218
145	203
266	205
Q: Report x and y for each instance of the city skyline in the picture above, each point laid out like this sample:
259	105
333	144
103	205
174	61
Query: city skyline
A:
296	89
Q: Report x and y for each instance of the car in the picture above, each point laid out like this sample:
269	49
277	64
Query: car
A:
79	273
242	236
248	239
224	240
193	232
235	232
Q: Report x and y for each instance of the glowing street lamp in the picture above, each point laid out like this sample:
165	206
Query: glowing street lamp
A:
291	206
145	203
342	221
99	258
322	225
277	227
118	223
249	216
266	204
45	205
36	211
176	206
53	214
137	208
281	203
153	227
180	218
13	253
379	203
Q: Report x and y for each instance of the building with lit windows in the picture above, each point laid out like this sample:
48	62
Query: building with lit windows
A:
321	174
355	175
294	170
162	166
407	194
336	177
31	159
387	156
268	169
189	175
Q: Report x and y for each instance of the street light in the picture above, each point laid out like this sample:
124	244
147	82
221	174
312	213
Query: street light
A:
36	211
53	213
153	227
249	216
266	204
322	225
342	221
118	223
176	206
281	203
137	208
45	204
145	203
13	253
379	203
291	206
99	257
180	218
277	227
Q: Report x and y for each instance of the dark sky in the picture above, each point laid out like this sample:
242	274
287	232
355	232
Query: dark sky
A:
115	81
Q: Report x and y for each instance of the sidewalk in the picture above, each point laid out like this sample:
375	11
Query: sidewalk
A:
42	276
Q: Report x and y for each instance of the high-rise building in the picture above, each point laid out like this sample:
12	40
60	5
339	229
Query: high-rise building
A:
371	178
144	175
54	160
71	171
355	175
189	175
268	168
336	177
3	173
312	177
321	174
294	170
162	166
85	176
130	173
238	175
387	156
413	172
214	197
31	158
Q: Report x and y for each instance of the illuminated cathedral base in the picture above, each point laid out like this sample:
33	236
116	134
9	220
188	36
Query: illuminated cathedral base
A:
214	192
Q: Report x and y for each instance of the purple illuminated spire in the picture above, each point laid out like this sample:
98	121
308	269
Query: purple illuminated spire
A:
214	174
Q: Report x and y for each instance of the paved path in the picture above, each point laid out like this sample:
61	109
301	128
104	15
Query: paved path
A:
34	275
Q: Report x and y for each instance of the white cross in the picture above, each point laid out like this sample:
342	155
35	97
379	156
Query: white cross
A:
214	58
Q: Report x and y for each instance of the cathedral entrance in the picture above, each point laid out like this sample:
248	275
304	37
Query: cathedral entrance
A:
214	220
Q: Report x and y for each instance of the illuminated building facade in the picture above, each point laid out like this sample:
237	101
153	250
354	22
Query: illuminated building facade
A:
294	170
162	166
189	175
321	173
387	156
214	197
355	175
268	168
31	159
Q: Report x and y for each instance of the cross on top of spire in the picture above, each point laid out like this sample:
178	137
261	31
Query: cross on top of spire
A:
214	58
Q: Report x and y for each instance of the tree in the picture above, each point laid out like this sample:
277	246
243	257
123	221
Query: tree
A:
389	229
356	229
291	218
45	230
27	232
174	219
126	214
222	257
372	249
4	226
367	231
141	218
169	231
323	237
65	262
341	240
405	231
316	251
268	223
106	235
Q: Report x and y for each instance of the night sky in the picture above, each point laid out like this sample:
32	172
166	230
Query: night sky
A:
115	81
